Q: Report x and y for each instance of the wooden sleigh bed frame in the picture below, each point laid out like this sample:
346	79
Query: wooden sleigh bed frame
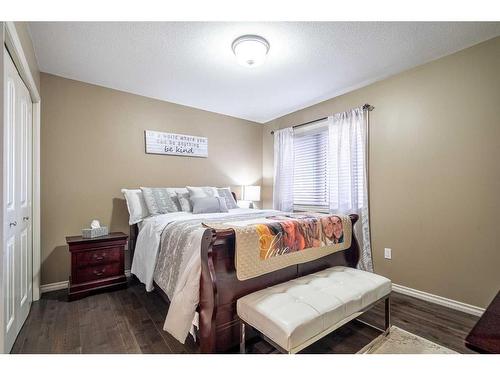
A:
220	288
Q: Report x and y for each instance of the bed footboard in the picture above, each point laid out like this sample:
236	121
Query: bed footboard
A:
220	288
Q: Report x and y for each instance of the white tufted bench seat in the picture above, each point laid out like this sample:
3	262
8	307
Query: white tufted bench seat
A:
295	314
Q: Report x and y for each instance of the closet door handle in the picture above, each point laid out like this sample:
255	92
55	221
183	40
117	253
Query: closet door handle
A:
26	218
13	224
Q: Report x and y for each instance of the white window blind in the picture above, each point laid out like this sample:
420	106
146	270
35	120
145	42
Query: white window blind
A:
310	186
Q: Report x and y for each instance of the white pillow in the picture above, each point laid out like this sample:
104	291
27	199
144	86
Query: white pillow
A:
202	192
136	205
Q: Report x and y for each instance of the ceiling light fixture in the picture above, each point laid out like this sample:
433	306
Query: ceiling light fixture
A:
250	50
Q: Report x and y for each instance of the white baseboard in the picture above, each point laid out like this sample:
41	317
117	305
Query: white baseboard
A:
438	300
54	286
63	285
443	301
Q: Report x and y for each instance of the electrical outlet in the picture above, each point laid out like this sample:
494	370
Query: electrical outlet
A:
387	253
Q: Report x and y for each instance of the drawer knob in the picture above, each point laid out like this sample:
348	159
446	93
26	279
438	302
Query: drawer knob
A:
99	273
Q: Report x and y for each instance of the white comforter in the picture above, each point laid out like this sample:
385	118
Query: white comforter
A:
182	308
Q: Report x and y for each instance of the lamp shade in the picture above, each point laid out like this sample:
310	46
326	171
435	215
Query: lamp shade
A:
251	193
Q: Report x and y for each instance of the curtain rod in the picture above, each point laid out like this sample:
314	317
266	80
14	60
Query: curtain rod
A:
367	107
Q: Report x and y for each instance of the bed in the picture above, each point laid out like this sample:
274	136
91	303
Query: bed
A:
219	287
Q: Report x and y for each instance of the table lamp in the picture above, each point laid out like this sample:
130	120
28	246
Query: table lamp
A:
251	193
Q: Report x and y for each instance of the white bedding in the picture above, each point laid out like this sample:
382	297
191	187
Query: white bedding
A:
148	240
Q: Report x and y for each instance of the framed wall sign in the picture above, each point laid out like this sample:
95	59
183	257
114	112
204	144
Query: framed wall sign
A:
175	144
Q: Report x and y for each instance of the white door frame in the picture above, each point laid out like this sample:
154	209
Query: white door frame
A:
13	43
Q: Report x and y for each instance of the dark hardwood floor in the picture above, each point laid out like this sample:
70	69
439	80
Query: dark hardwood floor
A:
131	321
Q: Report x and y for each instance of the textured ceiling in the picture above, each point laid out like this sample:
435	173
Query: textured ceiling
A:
191	63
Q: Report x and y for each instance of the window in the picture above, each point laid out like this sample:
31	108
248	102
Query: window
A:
310	186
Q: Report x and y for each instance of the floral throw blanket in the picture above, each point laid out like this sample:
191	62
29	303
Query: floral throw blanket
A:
296	232
268	244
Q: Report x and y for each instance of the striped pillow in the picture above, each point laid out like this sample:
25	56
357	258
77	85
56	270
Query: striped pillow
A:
158	200
226	194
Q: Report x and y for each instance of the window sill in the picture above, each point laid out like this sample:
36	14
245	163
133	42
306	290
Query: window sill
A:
319	209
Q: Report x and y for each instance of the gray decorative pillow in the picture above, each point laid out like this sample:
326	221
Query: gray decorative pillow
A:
184	202
158	201
226	194
209	205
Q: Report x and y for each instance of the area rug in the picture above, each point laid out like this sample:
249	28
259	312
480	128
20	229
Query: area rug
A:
400	341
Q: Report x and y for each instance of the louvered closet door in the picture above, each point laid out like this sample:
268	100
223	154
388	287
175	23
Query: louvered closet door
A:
17	249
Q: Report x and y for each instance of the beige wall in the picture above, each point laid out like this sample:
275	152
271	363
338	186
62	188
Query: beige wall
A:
92	145
434	172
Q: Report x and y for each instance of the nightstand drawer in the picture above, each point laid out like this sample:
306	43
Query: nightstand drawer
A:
98	272
96	257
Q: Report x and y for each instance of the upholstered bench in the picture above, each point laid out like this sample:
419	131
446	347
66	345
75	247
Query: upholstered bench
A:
295	314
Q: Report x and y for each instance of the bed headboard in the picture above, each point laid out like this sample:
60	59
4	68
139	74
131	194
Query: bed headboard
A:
134	232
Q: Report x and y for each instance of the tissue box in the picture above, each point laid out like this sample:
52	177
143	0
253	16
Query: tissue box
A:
94	232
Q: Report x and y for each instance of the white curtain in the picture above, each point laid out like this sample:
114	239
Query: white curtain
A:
348	174
283	170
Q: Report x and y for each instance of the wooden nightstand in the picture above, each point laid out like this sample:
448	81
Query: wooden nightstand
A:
96	264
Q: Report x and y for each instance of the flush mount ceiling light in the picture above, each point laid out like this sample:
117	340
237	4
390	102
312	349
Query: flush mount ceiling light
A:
250	50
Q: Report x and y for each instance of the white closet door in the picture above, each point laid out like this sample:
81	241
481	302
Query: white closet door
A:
24	200
17	249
